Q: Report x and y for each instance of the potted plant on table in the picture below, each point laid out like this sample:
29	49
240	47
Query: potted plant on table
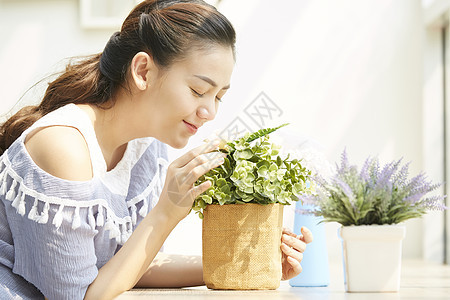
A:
242	213
371	204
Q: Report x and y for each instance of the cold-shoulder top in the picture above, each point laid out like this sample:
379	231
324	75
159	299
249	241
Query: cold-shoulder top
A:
56	234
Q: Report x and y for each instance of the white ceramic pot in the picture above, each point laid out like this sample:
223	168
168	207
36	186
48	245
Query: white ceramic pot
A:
372	256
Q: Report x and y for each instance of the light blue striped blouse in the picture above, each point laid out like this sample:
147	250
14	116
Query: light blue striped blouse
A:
55	234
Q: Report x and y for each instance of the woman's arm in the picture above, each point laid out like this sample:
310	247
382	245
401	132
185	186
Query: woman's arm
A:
173	271
123	271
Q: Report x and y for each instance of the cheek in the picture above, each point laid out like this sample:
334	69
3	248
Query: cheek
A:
177	112
180	107
175	103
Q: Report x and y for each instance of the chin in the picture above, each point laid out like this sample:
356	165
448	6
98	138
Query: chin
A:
177	144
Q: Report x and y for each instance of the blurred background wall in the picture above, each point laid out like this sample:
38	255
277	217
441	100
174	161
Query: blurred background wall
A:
345	74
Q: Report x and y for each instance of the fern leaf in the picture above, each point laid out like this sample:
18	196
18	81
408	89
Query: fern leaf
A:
263	132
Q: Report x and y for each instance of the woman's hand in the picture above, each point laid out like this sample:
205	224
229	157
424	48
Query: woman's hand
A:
179	191
292	248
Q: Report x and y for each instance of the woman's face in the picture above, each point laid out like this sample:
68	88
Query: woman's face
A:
187	95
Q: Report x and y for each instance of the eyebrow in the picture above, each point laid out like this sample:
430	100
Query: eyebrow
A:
211	82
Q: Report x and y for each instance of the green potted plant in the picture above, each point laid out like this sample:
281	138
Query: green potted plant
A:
371	204
242	212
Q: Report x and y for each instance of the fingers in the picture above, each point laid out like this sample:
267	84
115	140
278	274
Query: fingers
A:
183	182
295	265
307	235
291	252
203	159
196	191
297	242
293	247
189	156
294	242
289	232
201	165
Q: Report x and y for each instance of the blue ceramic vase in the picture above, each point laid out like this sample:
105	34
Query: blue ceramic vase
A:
315	258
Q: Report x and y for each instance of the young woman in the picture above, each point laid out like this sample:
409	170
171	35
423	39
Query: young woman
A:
83	211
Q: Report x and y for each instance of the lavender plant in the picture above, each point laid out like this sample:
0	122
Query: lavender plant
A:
372	195
253	172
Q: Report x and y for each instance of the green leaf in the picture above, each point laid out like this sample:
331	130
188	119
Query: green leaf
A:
279	161
297	189
221	182
273	167
263	163
225	189
222	201
263	171
207	199
263	132
202	204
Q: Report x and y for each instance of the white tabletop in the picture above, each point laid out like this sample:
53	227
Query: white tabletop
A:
419	280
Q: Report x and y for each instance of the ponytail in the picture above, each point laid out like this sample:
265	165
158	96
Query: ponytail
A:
18	123
82	82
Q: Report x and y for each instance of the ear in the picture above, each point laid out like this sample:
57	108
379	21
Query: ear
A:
141	66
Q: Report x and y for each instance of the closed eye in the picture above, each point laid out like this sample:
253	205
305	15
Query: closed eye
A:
196	93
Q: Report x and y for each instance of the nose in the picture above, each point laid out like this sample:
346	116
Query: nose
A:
207	111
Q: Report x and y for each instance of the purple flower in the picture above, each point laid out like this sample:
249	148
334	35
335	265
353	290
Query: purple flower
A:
344	162
346	189
364	174
401	177
414	198
384	178
308	199
435	203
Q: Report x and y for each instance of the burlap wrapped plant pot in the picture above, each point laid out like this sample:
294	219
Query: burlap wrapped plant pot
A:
241	246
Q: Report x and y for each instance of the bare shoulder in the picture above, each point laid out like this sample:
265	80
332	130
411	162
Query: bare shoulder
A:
60	151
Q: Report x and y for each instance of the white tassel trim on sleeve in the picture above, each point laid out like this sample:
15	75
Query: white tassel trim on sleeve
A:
76	221
120	228
133	214
91	219
43	218
100	218
4	187
58	218
11	194
33	214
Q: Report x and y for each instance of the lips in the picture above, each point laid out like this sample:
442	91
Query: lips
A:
191	127
196	127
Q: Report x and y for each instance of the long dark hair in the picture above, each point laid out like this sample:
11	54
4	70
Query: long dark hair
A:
165	29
